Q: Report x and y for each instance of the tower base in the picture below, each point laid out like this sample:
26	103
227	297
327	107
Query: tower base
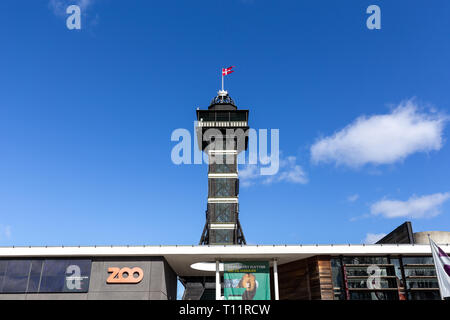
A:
238	235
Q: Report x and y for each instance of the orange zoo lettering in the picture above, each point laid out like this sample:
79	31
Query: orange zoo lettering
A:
117	275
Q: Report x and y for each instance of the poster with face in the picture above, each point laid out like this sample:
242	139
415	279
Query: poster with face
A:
247	280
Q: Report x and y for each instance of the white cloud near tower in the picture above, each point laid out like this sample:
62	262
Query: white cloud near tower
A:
289	171
382	139
59	6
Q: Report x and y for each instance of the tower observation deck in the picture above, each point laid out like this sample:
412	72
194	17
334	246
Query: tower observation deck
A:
222	133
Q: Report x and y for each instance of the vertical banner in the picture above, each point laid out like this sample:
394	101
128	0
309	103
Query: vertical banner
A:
247	280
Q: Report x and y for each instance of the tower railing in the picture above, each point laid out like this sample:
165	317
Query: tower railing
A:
222	124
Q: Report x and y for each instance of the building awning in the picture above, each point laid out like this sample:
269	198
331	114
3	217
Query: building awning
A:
181	257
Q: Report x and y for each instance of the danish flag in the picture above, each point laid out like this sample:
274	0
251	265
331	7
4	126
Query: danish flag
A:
226	71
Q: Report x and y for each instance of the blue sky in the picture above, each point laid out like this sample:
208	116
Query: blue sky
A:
86	118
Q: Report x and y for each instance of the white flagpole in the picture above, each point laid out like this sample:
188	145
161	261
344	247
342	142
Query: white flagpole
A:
222	79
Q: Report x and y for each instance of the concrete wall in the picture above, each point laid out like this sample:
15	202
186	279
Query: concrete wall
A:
159	282
440	237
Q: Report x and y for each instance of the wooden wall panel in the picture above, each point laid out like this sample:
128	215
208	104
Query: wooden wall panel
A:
326	279
307	279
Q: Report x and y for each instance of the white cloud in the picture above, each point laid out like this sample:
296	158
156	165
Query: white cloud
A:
59	6
371	238
415	207
353	197
248	175
289	171
5	232
382	139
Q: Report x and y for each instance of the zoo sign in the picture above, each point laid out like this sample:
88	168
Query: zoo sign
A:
125	275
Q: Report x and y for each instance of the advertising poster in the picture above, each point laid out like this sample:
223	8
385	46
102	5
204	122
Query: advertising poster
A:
247	280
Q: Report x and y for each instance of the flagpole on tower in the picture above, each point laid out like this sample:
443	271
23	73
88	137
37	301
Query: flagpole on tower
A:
225	72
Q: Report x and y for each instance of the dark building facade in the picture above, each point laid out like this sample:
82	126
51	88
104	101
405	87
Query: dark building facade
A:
402	234
384	278
303	272
87	278
368	277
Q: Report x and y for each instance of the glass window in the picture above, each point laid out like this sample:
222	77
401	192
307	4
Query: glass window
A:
419	271
222	116
77	276
222	168
53	276
209	294
363	270
206	116
424	295
380	283
397	268
3	265
222	163
365	260
378	295
336	271
222	236
370	278
417	260
420	277
16	276
399	277
222	212
422	283
65	276
35	276
222	187
238	116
